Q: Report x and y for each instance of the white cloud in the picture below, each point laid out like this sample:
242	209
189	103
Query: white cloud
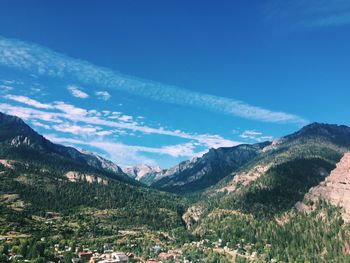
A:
105	133
29	113
39	124
124	154
103	95
42	61
5	88
255	136
76	92
251	133
125	118
28	101
70	113
59	105
76	129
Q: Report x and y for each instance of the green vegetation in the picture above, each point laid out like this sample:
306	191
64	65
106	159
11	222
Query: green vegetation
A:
320	236
44	189
280	188
44	216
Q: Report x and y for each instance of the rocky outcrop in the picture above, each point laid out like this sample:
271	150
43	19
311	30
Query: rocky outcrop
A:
99	162
192	215
7	164
77	177
335	189
244	178
143	172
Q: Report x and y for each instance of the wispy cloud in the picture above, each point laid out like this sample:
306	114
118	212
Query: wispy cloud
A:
123	155
103	95
28	101
61	112
128	154
76	129
310	13
40	124
76	92
42	61
5	88
255	136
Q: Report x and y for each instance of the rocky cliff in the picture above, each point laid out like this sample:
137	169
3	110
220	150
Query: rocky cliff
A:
335	188
143	172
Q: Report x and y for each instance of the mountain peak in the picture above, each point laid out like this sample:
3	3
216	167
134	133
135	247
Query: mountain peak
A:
141	171
15	133
4	118
323	127
340	133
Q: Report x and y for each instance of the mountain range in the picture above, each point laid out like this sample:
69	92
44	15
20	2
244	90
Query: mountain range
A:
44	176
274	187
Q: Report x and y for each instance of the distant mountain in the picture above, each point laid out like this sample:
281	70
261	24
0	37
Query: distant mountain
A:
143	172
17	139
200	173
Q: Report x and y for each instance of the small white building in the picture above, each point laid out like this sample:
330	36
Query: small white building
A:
114	257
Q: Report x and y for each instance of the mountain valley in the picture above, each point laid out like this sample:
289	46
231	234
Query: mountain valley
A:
266	202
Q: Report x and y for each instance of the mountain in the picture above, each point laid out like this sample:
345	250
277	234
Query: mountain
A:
143	172
244	209
39	177
18	139
284	171
252	213
202	172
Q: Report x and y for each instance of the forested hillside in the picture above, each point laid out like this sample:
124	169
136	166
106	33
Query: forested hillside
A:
51	197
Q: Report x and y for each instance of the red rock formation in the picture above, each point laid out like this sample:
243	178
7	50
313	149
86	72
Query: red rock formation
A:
336	187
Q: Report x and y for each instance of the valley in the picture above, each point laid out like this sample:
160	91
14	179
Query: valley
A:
280	201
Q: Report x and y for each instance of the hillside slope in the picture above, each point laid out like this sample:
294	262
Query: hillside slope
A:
279	177
38	177
18	140
285	171
251	213
205	171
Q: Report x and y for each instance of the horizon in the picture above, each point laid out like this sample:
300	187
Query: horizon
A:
161	83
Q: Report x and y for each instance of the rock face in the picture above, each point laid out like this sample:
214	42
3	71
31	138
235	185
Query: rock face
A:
7	164
335	188
90	178
207	170
143	172
244	178
192	215
97	161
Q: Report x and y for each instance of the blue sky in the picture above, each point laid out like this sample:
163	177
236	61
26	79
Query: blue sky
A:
158	82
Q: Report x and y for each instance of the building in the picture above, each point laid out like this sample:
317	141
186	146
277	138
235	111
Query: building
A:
85	256
114	257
